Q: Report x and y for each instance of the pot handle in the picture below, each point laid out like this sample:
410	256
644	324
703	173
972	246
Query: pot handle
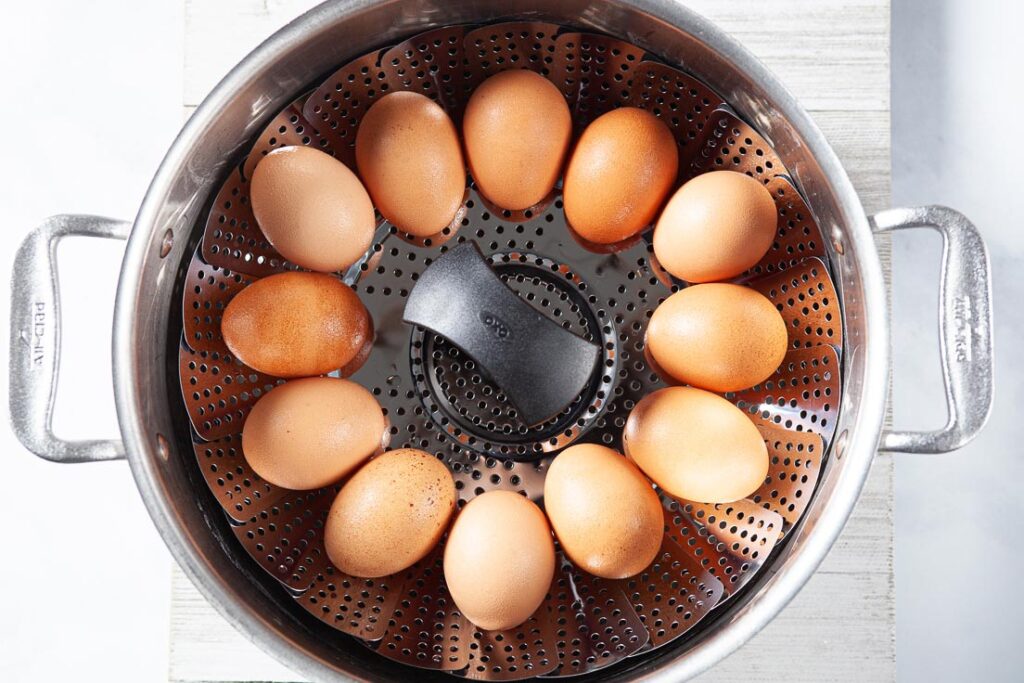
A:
35	339
965	328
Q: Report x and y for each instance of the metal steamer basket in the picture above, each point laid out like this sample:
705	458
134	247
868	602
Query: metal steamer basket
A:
255	550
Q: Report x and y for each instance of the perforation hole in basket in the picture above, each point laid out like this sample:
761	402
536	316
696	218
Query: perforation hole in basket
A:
732	145
208	289
359	607
425	629
238	489
219	390
729	540
594	72
232	239
527	45
802	395
286	538
794	463
673	594
595	624
807	300
681	101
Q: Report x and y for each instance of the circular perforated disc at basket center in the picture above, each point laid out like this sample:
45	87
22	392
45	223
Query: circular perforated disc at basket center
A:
463	401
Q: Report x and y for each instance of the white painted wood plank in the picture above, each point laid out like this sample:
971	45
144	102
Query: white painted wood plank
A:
833	54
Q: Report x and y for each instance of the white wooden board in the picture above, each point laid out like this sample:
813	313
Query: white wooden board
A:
834	56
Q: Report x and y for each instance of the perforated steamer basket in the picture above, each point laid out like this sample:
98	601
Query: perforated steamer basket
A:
216	521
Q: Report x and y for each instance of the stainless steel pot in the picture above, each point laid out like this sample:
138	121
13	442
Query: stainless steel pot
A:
161	241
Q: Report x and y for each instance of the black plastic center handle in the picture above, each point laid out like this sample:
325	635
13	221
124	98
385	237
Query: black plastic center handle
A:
540	366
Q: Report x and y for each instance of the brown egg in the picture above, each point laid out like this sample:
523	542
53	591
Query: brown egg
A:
517	128
715	227
696	445
499	560
297	325
408	153
717	336
312	208
311	432
622	170
390	514
605	513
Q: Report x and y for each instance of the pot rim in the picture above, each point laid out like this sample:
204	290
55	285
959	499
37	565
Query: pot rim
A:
785	578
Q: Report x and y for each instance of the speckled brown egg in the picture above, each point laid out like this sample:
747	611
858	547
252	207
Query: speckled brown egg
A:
312	208
715	227
390	514
717	336
696	445
409	156
517	129
297	325
311	432
604	511
620	173
499	560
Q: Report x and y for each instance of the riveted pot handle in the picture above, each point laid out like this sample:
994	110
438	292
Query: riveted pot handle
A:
35	339
965	328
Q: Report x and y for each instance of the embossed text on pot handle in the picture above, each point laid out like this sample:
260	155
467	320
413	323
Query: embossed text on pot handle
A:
35	339
965	328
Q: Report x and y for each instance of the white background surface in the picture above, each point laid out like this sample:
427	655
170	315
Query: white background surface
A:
67	66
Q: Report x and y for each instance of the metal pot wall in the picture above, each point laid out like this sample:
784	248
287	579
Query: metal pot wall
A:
162	238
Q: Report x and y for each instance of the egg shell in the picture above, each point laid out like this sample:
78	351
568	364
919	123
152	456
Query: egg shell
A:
311	432
717	336
297	324
409	156
696	445
499	560
620	173
715	227
517	128
390	514
604	511
312	208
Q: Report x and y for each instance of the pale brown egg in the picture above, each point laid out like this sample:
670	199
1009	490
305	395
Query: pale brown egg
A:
409	156
696	445
717	336
499	560
312	208
517	129
715	227
604	511
620	173
311	432
298	325
390	514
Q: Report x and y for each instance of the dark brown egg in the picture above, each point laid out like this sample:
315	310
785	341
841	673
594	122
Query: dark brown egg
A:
298	325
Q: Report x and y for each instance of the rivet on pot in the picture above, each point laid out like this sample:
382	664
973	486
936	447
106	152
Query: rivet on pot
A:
166	243
163	448
840	449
